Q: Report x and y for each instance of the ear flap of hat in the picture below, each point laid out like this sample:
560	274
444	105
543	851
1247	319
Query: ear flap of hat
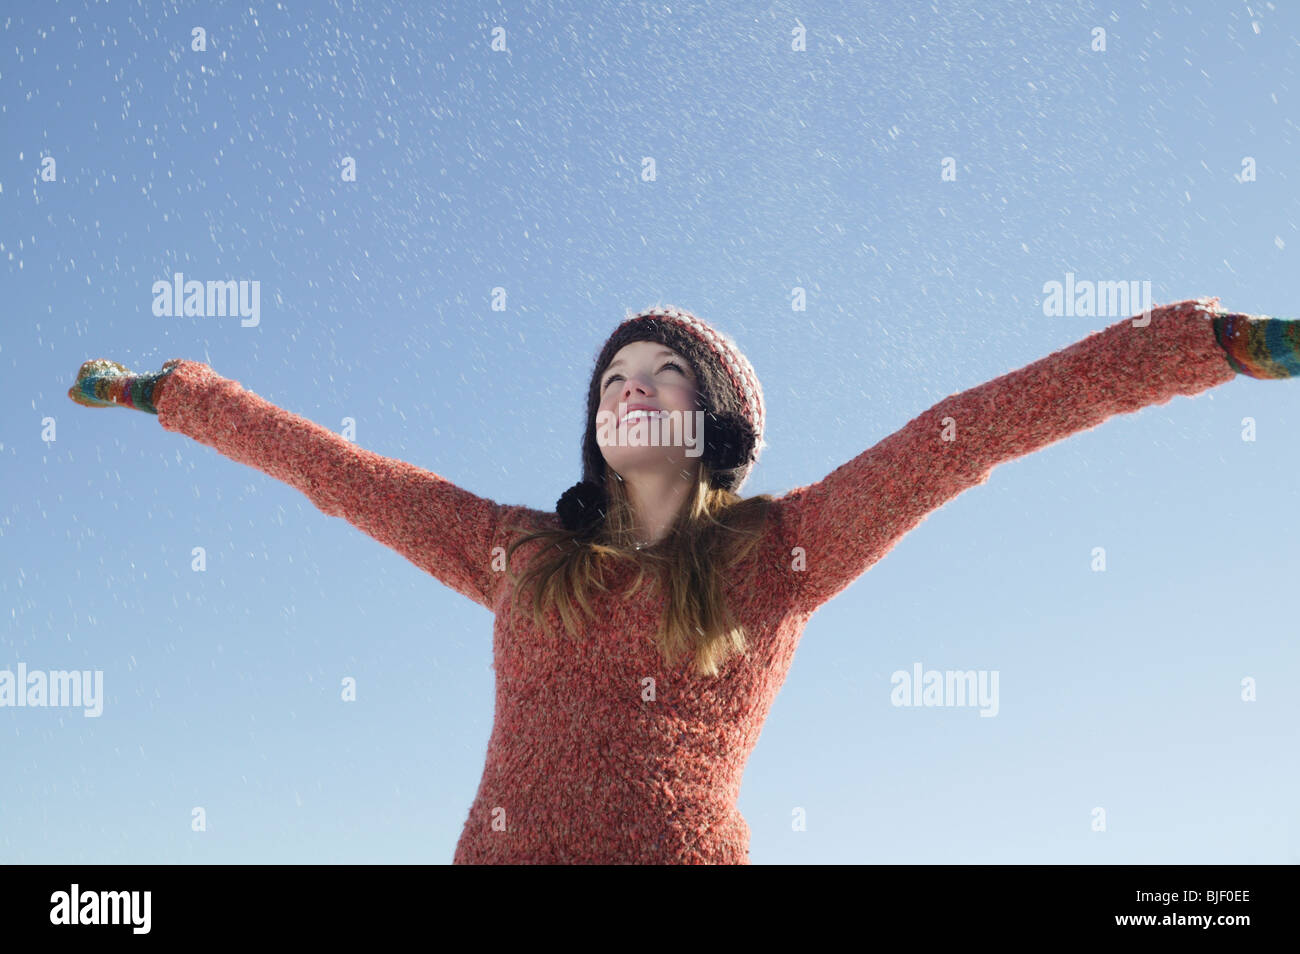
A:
729	441
582	507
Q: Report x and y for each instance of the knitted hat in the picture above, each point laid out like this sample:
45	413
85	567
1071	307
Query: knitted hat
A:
729	394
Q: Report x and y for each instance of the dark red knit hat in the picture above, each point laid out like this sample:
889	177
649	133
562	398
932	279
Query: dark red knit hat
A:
729	394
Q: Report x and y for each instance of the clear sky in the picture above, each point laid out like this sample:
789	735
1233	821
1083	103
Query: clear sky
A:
775	169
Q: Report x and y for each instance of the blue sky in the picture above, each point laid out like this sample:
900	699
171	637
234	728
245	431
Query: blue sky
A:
775	169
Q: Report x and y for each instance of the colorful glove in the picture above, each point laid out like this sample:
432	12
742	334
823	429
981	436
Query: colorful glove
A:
104	383
1260	346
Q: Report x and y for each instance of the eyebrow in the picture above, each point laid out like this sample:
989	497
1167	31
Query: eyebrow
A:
657	355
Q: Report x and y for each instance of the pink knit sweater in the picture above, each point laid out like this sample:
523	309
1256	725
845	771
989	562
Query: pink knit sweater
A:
585	763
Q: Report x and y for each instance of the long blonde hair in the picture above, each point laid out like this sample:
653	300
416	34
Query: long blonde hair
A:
713	532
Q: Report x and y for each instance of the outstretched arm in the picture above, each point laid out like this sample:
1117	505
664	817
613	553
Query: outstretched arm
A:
853	517
448	532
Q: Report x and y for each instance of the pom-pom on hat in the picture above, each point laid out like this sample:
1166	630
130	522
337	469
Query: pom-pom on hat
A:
729	392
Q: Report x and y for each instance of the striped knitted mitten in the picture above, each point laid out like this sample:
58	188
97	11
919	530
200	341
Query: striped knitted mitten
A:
104	383
1260	346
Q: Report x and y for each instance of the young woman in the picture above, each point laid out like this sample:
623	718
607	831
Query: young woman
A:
644	628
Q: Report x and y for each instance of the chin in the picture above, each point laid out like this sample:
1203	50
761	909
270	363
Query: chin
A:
632	459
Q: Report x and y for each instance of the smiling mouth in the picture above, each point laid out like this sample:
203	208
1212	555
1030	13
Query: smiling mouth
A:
641	415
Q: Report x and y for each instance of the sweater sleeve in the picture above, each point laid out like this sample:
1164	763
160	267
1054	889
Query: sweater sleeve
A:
448	532
839	527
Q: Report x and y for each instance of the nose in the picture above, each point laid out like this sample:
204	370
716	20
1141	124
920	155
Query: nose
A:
633	384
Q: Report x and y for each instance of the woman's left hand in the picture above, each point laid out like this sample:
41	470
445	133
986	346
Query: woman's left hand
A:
1259	346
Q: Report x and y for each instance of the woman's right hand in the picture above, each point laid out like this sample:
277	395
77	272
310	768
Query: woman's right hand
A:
104	383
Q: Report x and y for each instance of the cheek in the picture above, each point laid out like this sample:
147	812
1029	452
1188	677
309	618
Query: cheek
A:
681	399
606	411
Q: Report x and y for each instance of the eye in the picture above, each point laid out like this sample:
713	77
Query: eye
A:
667	364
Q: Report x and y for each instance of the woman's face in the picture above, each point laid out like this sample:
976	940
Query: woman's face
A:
649	416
